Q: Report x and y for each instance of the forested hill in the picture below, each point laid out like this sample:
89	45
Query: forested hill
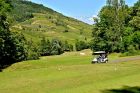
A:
23	10
37	21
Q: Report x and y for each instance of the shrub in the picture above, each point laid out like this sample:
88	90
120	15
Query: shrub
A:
80	45
131	51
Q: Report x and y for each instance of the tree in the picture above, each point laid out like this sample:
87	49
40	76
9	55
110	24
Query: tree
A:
56	47
136	38
67	46
135	16
32	50
80	45
109	27
12	45
117	28
45	47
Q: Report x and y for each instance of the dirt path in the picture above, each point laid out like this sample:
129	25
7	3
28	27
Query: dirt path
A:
127	59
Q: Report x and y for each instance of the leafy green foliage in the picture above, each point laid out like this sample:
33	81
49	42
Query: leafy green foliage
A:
80	45
117	28
57	47
54	47
45	47
32	50
12	44
23	10
67	46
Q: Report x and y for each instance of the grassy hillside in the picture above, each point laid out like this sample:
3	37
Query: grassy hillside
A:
37	21
69	73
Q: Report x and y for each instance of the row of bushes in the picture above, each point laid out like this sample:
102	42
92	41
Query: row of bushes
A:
53	47
57	47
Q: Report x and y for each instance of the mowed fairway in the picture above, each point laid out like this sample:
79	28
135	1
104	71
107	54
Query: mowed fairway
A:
69	73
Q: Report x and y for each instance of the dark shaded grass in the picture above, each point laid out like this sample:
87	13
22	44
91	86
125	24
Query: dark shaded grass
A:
125	89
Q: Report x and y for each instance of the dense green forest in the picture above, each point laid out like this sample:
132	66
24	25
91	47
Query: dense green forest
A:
23	10
117	28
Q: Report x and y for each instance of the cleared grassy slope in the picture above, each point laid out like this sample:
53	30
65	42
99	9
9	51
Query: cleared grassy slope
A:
41	26
69	73
36	21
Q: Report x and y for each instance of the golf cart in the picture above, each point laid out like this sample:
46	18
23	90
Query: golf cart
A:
100	57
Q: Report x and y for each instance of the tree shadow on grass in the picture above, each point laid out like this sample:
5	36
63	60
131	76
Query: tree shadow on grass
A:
5	63
125	89
4	67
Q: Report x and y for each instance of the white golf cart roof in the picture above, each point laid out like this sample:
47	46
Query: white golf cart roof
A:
99	52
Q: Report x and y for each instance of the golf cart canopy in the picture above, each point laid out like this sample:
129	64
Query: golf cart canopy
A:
99	52
100	57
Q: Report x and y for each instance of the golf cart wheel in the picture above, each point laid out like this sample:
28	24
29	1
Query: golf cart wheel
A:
93	62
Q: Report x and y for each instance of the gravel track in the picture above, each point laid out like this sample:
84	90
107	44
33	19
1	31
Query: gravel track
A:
127	59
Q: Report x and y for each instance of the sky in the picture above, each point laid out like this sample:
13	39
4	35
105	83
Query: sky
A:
83	10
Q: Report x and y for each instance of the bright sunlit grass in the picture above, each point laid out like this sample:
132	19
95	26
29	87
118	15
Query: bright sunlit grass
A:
69	73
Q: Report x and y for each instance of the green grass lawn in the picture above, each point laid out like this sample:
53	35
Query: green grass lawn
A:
69	73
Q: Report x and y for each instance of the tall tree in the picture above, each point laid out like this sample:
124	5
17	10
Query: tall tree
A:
118	10
45	47
12	47
108	30
56	47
